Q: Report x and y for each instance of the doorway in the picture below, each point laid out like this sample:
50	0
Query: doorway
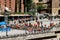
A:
59	12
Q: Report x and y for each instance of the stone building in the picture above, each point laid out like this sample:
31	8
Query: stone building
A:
7	3
52	6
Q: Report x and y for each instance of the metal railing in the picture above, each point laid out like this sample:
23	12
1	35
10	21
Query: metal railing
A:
33	30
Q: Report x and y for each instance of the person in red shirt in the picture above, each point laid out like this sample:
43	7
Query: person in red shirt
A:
39	29
30	29
17	26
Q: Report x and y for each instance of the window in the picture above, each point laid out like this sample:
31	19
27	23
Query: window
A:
5	5
40	0
5	0
10	6
0	5
9	1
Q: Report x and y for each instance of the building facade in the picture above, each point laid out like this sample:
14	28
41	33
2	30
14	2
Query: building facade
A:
19	5
46	3
52	6
7	3
56	7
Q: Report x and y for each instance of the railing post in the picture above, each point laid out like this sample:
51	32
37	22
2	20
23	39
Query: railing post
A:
6	20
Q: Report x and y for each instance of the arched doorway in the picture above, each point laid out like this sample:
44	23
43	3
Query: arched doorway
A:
59	12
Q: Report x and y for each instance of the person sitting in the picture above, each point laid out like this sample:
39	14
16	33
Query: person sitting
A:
49	27
51	24
17	26
25	26
30	25
38	23
39	29
35	25
30	29
58	25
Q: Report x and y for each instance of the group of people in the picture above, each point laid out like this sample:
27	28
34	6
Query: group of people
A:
35	25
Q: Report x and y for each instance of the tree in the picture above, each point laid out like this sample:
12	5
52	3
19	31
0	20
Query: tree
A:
28	4
40	7
33	8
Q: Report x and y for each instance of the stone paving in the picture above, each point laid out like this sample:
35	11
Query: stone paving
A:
29	37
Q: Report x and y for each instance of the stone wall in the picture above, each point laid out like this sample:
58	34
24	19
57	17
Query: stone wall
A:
15	38
29	36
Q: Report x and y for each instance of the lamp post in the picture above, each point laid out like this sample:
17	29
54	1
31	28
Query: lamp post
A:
6	20
6	14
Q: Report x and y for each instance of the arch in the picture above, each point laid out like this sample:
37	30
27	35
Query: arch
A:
58	11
